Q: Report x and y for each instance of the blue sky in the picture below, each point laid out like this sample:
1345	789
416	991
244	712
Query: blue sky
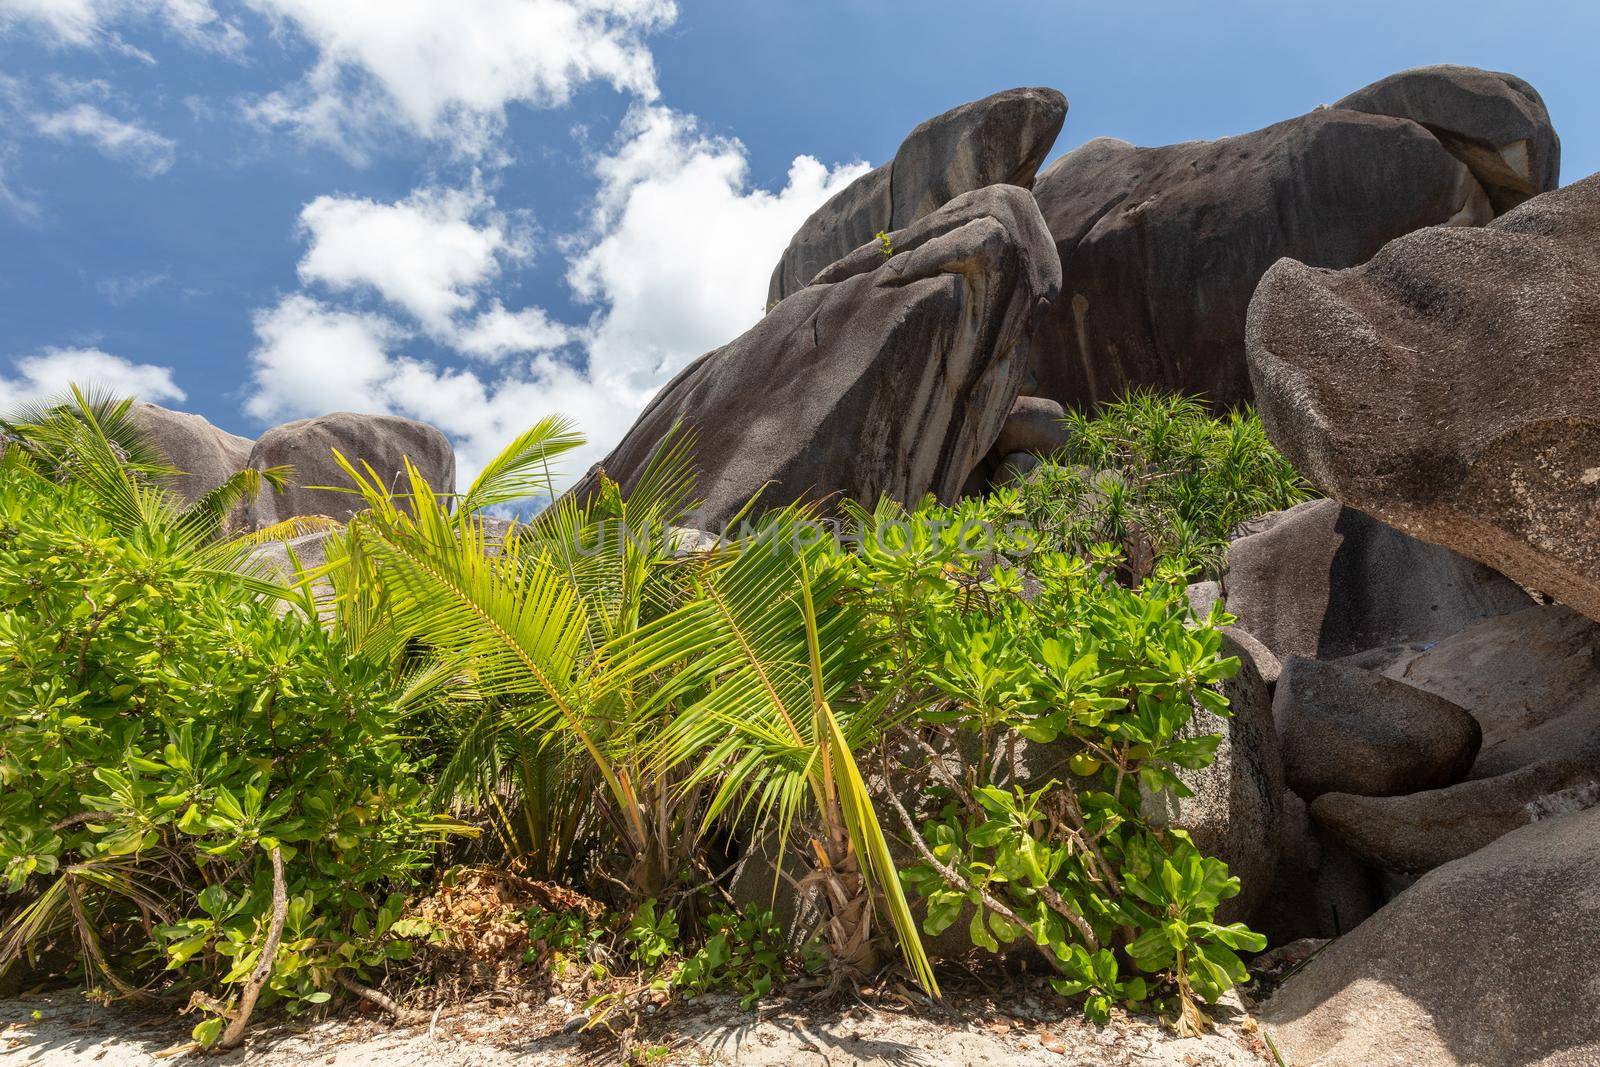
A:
479	211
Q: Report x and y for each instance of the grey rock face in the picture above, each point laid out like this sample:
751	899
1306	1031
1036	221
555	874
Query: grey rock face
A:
1487	960
1034	425
1347	730
1234	813
1204	594
1320	889
1531	679
383	441
1416	833
1494	123
1324	581
1448	387
885	376
1162	247
207	455
1001	139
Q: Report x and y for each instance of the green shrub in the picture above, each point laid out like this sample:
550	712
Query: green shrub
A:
1042	705
164	734
1157	477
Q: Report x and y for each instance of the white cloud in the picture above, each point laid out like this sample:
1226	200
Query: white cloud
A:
125	288
88	23
497	333
676	263
312	359
450	74
20	206
425	253
50	372
682	249
128	141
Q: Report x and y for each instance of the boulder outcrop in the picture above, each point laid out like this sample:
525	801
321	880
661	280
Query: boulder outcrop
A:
1531	679
1494	123
1448	387
1324	581
382	441
207	455
1488	960
1416	833
1161	248
888	375
1348	730
1001	139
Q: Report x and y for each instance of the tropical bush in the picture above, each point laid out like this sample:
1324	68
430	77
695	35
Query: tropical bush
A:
1047	703
225	788
1158	478
209	795
683	693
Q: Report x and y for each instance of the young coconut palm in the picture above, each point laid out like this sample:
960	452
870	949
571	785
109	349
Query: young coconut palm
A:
535	617
778	653
90	438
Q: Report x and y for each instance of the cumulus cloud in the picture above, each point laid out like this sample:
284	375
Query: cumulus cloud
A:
114	137
681	248
675	261
49	372
497	333
426	254
452	77
89	23
310	359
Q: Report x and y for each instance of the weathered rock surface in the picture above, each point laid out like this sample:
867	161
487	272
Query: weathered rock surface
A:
1204	594
886	376
383	441
1001	139
1034	425
1014	468
1324	581
1235	811
1448	387
1488	960
1531	679
1320	889
1161	248
1416	833
208	456
278	559
1346	730
1494	123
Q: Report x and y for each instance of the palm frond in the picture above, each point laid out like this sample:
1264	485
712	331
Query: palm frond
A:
522	469
204	518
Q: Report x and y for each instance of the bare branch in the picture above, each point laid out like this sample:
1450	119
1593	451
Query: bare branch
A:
233	1036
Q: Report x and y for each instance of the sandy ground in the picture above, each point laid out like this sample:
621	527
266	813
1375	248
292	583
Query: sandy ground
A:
64	1029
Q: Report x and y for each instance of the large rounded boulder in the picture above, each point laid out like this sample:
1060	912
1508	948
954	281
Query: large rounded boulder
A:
1162	247
888	375
383	442
1488	960
1494	123
1348	730
1001	139
206	455
1448	387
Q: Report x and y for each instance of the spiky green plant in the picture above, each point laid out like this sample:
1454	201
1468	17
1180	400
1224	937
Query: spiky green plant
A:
1157	476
